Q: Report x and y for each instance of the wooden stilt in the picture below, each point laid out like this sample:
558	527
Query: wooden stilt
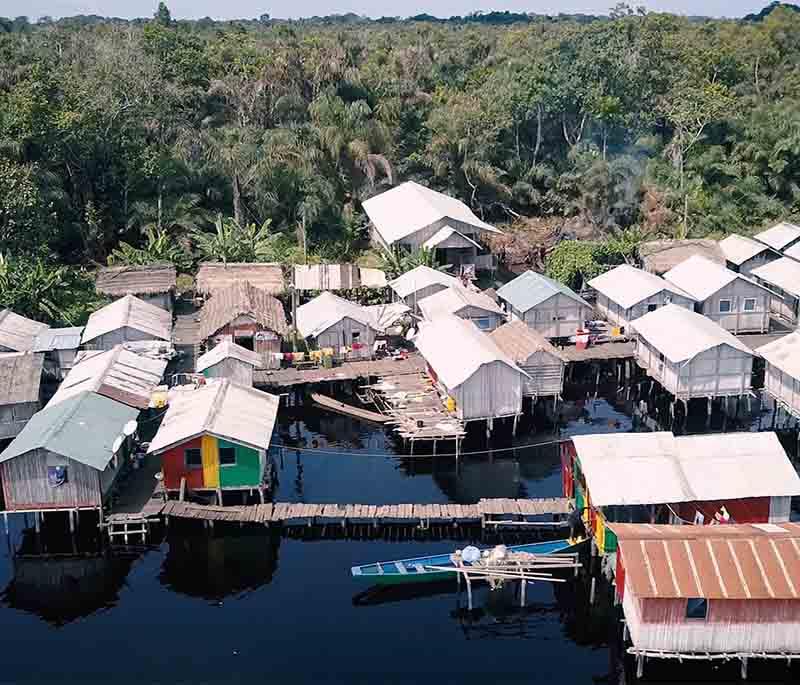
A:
514	428
592	591
36	521
744	667
639	665
469	591
522	589
5	520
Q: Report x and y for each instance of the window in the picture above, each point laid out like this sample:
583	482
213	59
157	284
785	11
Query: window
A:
227	456
749	304
724	306
652	307
483	323
697	607
356	335
194	458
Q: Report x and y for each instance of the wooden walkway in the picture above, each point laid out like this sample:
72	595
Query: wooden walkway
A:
346	372
600	352
484	512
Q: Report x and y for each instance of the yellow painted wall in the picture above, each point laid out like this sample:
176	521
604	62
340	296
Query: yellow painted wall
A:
210	453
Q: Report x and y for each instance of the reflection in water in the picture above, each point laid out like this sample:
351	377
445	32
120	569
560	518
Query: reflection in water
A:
213	568
61	590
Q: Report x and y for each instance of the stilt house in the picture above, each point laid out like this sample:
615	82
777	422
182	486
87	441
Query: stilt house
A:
710	592
534	354
128	319
690	355
59	346
231	361
410	216
20	390
247	316
118	374
151	283
215	437
780	237
464	303
345	327
737	303
18	333
744	254
625	293
64	458
421	282
660	478
782	277
469	367
545	305
782	372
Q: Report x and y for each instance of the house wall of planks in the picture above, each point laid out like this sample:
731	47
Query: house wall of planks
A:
247	472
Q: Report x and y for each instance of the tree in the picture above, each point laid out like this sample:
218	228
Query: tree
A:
160	247
234	242
162	15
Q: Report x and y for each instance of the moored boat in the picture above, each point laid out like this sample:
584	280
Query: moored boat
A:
418	569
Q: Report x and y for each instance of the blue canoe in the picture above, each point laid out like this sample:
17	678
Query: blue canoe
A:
416	570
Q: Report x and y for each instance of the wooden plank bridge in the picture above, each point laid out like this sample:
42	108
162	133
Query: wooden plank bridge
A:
487	512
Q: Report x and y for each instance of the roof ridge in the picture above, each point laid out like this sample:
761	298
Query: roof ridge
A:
216	405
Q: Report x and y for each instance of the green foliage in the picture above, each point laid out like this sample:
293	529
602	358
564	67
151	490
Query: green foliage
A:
233	242
57	295
159	248
576	261
397	263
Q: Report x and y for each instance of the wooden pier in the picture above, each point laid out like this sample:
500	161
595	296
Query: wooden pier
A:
348	371
487	512
606	351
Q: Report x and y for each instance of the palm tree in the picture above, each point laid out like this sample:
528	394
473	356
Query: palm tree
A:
234	242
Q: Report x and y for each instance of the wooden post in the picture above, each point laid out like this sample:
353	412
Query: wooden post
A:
514	429
522	588
624	631
36	521
592	591
744	667
639	665
469	591
70	514
5	520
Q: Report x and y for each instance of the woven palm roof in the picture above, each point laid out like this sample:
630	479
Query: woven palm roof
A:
20	377
242	299
152	279
214	276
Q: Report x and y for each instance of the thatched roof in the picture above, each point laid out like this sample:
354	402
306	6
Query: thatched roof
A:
520	342
659	256
152	279
20	377
242	299
213	276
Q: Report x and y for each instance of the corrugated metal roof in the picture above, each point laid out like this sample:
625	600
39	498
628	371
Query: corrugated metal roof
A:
386	315
738	248
701	278
454	299
793	251
517	340
784	354
227	350
58	339
455	349
421	277
783	273
530	289
779	236
327	309
659	468
242	299
20	377
680	334
150	279
220	408
627	286
131	312
447	237
118	374
18	333
750	561
659	256
83	428
213	276
402	211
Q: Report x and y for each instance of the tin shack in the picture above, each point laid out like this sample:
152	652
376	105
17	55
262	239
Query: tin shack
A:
782	277
535	355
734	301
421	282
18	333
347	328
64	458
247	316
743	254
128	319
780	237
482	381
215	437
691	356
59	346
661	478
782	372
545	305
464	303
712	593
152	283
625	293
20	390
229	360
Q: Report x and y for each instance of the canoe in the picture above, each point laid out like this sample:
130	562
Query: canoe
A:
416	570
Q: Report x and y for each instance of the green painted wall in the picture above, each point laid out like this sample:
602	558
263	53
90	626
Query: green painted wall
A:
246	473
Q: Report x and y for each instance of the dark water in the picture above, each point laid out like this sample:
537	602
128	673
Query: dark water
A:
243	605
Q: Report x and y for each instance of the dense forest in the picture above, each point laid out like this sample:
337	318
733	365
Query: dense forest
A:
128	142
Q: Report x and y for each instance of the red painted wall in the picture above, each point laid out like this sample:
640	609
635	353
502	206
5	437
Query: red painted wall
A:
173	465
751	510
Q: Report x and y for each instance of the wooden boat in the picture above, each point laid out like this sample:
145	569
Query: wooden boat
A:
331	404
417	570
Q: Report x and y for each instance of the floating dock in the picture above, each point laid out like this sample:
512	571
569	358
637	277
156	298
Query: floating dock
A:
487	512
